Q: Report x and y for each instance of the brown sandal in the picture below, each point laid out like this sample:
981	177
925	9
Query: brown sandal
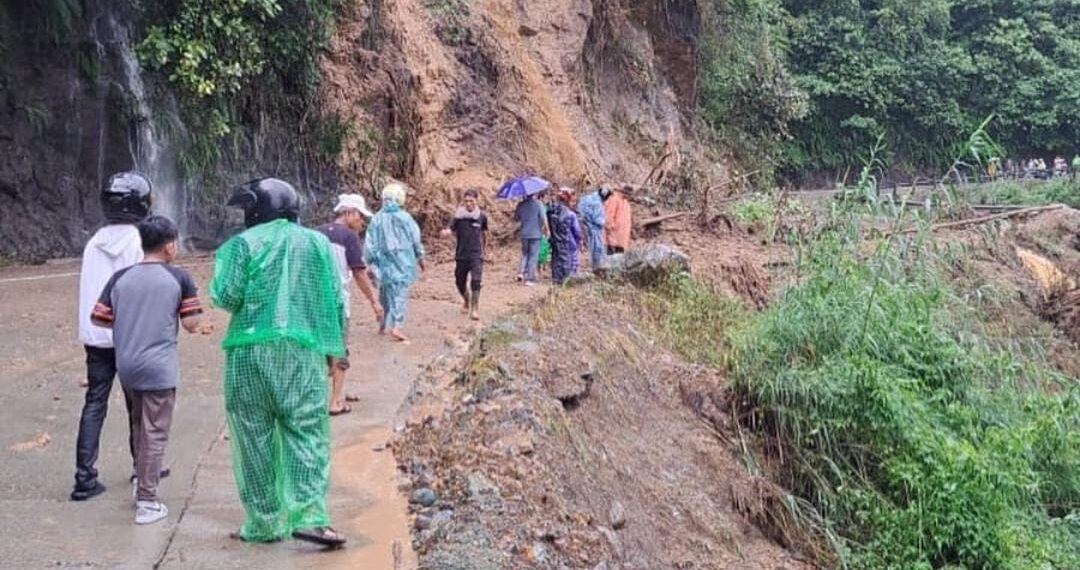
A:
324	536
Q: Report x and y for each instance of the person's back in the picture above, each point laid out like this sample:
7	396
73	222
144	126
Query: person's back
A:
393	245
125	200
144	305
591	208
618	221
279	281
112	248
529	214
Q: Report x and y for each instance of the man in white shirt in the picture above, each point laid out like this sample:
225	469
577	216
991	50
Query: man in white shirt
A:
125	201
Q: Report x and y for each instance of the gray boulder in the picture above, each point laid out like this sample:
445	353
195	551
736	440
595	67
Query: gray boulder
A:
645	266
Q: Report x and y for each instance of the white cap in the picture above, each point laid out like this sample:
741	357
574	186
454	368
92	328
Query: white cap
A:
352	202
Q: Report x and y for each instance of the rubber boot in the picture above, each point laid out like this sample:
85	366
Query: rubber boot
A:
474	303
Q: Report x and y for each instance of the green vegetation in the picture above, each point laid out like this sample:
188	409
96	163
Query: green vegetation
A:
808	85
235	62
693	319
450	18
747	95
919	442
1030	193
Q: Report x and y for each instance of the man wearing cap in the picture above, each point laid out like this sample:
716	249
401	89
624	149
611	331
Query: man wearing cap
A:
351	212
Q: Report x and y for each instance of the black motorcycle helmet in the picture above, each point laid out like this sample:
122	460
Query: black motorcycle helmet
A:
126	198
266	199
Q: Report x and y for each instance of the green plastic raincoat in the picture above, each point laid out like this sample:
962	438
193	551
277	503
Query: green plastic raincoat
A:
280	283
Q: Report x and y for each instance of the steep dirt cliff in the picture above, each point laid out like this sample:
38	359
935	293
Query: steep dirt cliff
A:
443	94
453	93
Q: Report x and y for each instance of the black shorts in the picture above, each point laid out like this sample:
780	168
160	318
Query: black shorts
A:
465	268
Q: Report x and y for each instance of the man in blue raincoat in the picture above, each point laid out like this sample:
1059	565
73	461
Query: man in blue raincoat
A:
591	210
392	246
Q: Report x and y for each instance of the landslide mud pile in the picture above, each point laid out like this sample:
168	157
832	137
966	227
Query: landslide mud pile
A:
454	93
567	438
1031	268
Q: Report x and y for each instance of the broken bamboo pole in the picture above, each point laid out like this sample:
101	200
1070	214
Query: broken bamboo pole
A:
983	219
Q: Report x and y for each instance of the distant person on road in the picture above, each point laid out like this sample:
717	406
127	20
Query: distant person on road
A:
532	228
470	227
144	304
350	215
394	248
125	201
618	221
565	237
591	209
280	283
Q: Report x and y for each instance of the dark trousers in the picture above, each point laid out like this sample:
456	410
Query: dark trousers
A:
151	420
100	373
462	270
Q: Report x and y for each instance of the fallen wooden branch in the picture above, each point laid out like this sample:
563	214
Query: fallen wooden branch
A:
661	219
984	219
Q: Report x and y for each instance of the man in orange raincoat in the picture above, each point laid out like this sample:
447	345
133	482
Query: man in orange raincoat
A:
617	220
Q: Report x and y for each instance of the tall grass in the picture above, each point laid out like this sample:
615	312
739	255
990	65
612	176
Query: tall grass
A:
693	319
922	445
1030	193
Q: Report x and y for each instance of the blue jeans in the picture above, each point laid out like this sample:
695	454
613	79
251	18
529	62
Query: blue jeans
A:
530	258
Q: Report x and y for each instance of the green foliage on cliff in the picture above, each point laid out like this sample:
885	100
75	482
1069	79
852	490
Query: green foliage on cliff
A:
231	61
214	48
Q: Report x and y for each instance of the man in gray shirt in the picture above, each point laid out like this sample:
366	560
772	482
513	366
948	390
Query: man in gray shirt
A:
143	305
532	227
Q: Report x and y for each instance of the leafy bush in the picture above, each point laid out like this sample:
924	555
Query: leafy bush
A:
922	445
757	209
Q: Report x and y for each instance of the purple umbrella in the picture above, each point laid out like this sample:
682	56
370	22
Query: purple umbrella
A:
522	187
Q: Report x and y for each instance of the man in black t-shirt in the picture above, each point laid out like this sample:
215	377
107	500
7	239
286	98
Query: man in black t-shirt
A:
470	227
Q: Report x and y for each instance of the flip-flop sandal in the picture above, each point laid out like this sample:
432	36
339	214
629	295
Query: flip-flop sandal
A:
324	536
352	398
347	409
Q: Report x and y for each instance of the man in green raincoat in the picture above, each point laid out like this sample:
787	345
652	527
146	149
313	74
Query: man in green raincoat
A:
279	282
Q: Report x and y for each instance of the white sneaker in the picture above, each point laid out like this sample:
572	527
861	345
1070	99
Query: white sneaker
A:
148	512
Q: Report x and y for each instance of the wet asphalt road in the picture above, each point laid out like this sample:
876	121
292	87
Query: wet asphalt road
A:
41	364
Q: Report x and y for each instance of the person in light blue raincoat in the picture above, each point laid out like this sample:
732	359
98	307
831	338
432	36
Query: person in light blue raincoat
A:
591	210
392	246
